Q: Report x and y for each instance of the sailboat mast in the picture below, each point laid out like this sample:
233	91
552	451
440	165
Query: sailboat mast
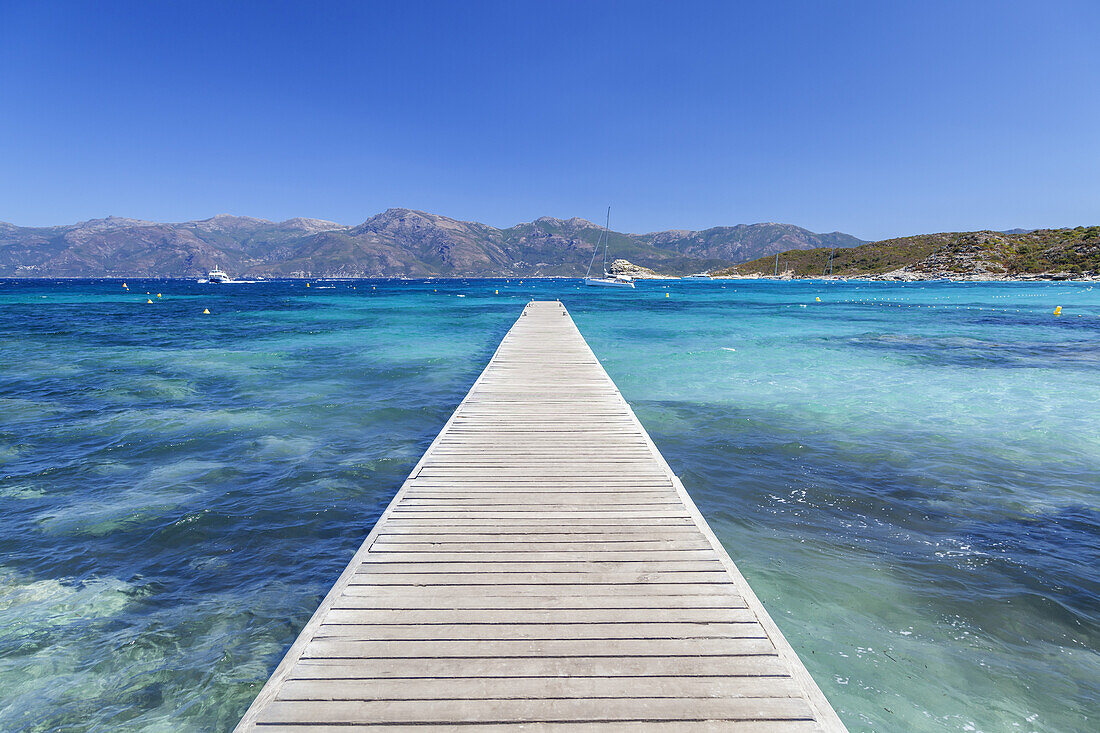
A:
776	272
596	249
606	237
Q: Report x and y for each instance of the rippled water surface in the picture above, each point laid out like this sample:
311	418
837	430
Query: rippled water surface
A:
907	474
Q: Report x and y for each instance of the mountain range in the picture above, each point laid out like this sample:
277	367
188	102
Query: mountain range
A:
397	242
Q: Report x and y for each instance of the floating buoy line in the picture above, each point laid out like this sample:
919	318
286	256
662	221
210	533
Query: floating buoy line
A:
896	303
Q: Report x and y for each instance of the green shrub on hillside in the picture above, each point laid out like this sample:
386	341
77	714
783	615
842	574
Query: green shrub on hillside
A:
1075	251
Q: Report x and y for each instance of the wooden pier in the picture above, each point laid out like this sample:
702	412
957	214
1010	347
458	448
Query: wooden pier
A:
541	569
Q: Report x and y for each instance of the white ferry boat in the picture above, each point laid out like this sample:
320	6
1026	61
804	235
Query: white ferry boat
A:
217	275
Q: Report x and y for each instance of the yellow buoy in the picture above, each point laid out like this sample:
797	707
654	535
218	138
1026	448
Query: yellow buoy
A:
158	295
307	285
818	299
125	286
206	311
496	292
666	295
1058	310
149	301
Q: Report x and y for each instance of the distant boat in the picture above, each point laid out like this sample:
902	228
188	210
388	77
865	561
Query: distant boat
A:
698	276
611	281
217	276
608	280
787	273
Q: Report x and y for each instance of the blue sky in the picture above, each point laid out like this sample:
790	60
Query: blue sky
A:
875	118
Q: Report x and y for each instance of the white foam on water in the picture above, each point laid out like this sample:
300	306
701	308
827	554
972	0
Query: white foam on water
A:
162	490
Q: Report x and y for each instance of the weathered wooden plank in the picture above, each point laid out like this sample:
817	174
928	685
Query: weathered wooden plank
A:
417	598
741	665
541	570
655	529
627	616
581	709
502	578
451	534
540	499
374	649
508	502
458	631
556	538
364	586
672	549
537	514
619	726
656	526
521	563
531	688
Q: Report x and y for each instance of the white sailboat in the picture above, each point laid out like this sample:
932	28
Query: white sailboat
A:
608	280
787	273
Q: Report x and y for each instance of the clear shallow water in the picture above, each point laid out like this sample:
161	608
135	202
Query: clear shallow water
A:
907	474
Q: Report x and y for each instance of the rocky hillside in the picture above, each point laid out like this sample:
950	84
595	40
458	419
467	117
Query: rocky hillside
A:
624	267
746	241
397	242
1039	253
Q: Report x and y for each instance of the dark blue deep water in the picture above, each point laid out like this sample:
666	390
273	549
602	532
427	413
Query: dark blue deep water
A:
907	474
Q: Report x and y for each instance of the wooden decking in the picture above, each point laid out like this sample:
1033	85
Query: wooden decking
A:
541	569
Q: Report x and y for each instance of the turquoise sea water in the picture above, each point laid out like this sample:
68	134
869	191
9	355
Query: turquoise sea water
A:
908	475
